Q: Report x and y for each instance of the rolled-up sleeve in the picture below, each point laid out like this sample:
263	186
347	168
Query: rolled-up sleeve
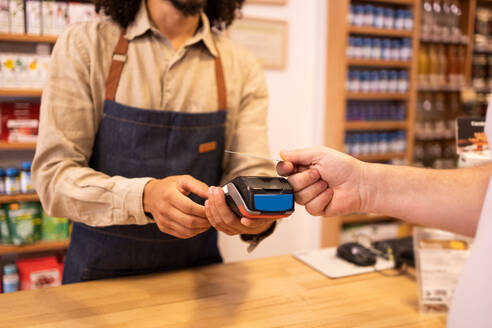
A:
70	115
250	133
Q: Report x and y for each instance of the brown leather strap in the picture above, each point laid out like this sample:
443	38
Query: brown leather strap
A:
221	87
119	58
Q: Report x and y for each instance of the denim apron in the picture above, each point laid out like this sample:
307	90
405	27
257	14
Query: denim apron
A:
134	142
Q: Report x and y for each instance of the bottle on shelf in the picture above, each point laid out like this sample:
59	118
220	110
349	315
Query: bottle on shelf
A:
423	66
10	279
443	65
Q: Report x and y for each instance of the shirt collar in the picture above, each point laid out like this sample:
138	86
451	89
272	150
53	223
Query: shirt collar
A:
141	24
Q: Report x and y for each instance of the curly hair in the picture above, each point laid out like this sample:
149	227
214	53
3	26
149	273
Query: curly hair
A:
221	13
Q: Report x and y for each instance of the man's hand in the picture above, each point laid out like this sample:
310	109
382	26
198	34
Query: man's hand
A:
174	213
326	181
223	219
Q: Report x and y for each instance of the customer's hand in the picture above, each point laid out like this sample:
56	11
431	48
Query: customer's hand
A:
326	181
175	213
223	219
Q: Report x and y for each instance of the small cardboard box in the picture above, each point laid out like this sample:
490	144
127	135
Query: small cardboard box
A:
33	17
4	16
54	228
17	22
24	222
4	227
39	273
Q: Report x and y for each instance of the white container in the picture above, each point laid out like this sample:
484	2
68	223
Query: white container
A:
4	16
33	17
17	16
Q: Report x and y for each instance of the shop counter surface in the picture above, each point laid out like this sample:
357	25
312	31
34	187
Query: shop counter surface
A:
271	292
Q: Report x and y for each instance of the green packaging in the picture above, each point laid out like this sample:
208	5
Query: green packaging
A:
24	222
4	228
54	228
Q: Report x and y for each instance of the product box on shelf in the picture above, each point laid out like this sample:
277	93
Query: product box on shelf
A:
4	228
48	10
19	122
80	12
54	228
17	23
4	16
20	70
39	273
33	17
61	16
24	222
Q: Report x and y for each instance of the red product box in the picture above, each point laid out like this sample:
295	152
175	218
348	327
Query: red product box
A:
39	273
19	122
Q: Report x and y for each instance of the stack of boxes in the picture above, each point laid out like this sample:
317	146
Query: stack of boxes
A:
46	17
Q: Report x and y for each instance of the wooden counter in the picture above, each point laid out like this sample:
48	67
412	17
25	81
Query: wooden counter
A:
272	292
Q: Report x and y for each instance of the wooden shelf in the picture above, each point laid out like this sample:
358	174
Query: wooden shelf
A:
426	88
380	157
17	146
377	96
379	63
41	246
364	217
367	30
376	125
20	92
27	38
19	198
396	2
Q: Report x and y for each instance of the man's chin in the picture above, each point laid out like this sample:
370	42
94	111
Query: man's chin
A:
189	7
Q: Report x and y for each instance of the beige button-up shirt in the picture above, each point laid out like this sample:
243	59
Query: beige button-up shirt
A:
154	76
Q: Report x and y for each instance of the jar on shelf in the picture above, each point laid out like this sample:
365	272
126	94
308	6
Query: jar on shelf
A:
2	182
10	281
12	181
26	185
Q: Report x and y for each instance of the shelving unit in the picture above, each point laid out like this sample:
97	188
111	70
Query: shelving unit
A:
430	94
28	93
377	96
337	97
371	31
16	146
375	125
19	198
27	38
39	247
379	63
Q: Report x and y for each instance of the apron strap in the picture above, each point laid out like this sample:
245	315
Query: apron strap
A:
119	58
219	76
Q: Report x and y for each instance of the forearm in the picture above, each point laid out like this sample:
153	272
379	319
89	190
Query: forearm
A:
85	195
445	199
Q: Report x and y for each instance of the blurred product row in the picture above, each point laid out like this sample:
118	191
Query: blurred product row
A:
380	17
15	181
34	273
37	17
441	66
375	111
379	49
23	223
372	143
441	21
377	81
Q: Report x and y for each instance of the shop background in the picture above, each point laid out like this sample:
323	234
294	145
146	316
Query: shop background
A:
295	118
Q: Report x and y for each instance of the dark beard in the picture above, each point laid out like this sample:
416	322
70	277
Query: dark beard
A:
189	7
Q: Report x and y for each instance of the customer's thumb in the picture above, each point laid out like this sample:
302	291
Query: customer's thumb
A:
298	157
